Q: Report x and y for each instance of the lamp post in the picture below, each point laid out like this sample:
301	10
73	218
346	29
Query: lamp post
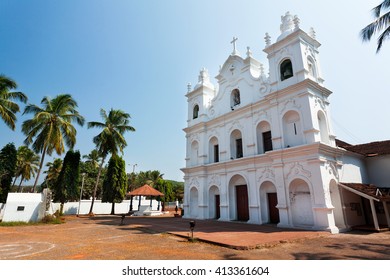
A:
134	165
192	226
81	193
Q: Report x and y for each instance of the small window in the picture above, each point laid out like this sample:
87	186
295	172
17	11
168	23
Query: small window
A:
239	152
195	113
286	70
20	208
216	153
236	99
267	141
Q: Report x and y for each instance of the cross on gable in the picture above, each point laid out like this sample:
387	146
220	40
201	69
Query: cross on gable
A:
234	44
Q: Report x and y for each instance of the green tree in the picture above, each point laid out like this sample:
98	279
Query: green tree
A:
93	158
115	182
8	159
178	190
91	172
66	188
8	108
150	177
381	24
27	164
51	126
52	173
110	140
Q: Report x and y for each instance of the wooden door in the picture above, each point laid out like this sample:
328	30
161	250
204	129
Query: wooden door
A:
217	203
242	203
273	211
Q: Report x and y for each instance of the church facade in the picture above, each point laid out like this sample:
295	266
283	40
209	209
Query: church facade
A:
260	148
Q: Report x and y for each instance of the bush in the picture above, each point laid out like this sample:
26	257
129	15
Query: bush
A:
51	219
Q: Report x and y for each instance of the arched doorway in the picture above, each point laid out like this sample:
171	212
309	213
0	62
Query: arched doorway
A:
214	203
238	199
301	205
268	203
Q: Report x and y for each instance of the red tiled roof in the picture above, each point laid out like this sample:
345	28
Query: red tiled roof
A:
369	149
382	194
146	190
342	144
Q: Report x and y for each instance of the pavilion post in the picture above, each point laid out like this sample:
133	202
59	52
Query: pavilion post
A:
131	203
139	202
386	213
374	216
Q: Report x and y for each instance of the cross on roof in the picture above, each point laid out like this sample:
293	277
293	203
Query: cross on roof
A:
234	44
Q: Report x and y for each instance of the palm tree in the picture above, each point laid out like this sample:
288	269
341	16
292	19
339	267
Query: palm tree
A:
8	108
93	158
381	23
51	126
27	164
53	171
110	140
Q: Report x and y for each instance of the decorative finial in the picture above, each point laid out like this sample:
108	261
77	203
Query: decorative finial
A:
267	40
248	52
189	87
312	33
287	23
261	69
234	45
296	21
203	75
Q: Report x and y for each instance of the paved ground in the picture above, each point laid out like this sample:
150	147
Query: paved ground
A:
103	238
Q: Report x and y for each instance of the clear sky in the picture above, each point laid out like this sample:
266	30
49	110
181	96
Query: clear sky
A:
139	55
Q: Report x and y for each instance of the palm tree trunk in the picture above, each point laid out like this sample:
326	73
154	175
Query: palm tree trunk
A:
21	180
96	186
16	177
40	168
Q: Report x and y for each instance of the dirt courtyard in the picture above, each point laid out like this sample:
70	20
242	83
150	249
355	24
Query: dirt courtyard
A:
104	238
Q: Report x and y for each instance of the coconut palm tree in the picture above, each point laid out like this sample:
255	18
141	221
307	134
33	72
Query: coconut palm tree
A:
53	171
110	140
93	158
8	108
381	23
51	127
26	165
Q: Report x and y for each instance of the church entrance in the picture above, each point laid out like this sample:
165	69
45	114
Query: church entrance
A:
273	211
242	203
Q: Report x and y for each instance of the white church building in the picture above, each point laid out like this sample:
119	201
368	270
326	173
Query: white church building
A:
261	149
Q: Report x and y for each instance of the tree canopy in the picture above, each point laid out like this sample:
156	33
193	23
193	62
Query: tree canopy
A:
8	160
51	127
381	24
8	108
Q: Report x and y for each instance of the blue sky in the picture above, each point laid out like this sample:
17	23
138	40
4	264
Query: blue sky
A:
139	55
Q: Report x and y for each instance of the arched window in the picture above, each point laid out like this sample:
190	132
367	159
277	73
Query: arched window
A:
195	112
292	129
236	99
194	153
311	67
264	137
286	70
236	148
213	150
323	127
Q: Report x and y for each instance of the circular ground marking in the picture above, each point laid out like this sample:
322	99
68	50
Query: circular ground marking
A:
18	250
